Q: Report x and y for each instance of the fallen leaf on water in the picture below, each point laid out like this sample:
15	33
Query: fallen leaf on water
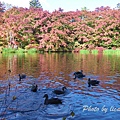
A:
14	98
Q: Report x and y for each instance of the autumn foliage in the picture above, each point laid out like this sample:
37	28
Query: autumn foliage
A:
61	31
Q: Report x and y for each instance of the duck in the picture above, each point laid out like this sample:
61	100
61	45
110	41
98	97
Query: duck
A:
22	76
34	88
52	100
79	74
93	82
60	91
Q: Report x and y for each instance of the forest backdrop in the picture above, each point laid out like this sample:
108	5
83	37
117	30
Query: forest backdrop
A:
59	31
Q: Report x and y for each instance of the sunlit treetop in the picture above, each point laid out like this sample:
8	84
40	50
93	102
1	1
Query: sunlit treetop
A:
118	5
1	7
35	4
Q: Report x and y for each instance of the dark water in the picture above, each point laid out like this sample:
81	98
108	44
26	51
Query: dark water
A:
55	70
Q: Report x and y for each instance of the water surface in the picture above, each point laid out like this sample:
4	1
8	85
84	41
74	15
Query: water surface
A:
53	71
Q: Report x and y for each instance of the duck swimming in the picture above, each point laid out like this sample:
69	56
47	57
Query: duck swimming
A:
34	88
60	91
52	100
93	82
79	74
22	76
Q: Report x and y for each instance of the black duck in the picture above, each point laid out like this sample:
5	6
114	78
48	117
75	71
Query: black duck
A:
79	74
60	91
34	88
52	100
93	82
22	76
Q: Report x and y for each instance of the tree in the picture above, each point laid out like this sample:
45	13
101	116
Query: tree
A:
35	4
84	9
60	9
7	5
118	5
1	7
1	12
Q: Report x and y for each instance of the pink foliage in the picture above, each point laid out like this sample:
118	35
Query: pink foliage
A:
100	49
62	29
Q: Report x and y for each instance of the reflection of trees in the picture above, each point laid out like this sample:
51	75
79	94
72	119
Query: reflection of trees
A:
54	64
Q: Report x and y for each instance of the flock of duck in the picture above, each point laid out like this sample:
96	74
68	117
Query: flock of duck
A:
78	74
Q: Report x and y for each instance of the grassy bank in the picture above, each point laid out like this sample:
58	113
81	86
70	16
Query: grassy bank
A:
19	50
33	50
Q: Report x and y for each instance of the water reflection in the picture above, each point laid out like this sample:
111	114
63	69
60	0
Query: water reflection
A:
51	71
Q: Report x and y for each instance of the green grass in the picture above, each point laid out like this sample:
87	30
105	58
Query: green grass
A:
84	51
94	52
32	50
12	50
111	52
8	50
19	50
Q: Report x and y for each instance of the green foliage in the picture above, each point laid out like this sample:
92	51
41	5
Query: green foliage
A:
94	51
20	50
90	24
84	9
32	50
111	52
35	4
84	51
8	50
12	50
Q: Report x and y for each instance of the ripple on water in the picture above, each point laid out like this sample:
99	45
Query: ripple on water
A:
30	105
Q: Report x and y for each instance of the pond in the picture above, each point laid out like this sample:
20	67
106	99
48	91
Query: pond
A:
52	71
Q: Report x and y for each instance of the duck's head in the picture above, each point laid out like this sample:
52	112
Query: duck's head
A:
89	82
74	73
45	96
36	86
89	79
81	71
64	88
19	77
